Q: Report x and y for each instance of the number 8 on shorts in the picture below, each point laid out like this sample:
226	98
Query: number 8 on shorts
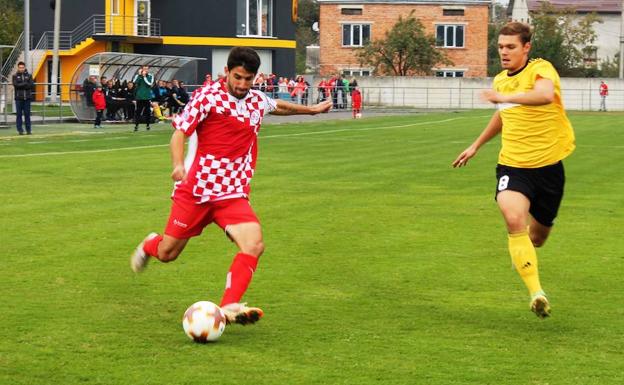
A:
503	182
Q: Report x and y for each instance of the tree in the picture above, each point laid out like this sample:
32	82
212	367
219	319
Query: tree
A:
563	38
406	50
308	13
500	19
610	68
12	22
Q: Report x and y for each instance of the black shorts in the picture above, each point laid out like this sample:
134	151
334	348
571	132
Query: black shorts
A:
543	186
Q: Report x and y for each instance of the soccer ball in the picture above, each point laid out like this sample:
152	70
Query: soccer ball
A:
203	321
358	115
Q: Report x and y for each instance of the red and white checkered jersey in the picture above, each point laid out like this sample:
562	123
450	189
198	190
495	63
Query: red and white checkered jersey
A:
227	128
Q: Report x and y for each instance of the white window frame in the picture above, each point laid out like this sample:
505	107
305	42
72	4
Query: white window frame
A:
450	73
351	24
356	72
269	26
114	4
454	27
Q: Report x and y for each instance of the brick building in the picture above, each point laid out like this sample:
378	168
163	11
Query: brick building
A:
460	27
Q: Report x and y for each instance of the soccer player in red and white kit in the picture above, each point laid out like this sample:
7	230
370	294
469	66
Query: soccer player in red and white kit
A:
212	184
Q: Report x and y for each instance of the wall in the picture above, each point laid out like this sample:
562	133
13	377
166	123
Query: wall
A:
73	12
457	93
382	17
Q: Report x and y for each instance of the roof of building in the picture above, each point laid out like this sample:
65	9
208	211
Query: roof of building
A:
441	2
600	6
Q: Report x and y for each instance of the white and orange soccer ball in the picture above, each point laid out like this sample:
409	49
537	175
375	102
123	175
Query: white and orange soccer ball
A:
204	322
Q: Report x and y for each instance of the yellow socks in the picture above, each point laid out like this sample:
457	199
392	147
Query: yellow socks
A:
525	260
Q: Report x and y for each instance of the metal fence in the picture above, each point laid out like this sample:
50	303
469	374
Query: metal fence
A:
416	98
42	112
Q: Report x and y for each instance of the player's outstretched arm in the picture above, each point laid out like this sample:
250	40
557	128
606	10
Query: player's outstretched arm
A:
491	130
543	92
287	108
177	155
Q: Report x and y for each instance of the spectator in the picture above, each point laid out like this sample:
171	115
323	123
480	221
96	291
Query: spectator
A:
175	103
298	90
271	85
332	91
356	103
183	96
88	86
291	85
282	87
99	102
340	93
604	92
159	102
321	90
306	94
129	103
346	92
23	84
208	80
353	83
143	82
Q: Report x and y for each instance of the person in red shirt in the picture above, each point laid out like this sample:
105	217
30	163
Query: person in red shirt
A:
99	101
213	183
208	80
356	103
604	92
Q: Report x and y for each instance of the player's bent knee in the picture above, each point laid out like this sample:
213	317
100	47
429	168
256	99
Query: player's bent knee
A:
253	248
515	223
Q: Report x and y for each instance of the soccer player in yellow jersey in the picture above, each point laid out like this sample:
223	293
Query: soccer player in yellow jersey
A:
536	136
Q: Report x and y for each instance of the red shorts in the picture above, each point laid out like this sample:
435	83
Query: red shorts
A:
189	219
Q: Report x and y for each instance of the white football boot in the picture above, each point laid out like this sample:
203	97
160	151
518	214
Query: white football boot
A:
138	259
240	313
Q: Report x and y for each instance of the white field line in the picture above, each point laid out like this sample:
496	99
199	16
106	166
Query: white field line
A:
261	137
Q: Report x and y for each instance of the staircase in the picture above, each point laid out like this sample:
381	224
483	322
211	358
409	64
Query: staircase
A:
76	38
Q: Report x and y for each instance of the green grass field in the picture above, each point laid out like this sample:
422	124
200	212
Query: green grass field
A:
383	264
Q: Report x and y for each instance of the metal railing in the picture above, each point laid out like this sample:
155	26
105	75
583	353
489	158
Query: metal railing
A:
98	25
10	62
42	111
373	98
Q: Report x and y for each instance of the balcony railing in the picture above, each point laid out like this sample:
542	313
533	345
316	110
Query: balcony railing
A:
101	25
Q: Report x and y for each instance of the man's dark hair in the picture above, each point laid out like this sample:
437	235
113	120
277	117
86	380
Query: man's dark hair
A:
244	57
21	64
516	28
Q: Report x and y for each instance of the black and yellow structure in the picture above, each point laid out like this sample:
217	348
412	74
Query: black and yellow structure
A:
205	29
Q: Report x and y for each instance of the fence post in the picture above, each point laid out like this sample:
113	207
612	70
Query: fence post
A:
43	104
60	103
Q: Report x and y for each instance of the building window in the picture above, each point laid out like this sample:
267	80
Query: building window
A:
355	35
115	7
254	17
449	74
351	11
452	12
356	72
450	36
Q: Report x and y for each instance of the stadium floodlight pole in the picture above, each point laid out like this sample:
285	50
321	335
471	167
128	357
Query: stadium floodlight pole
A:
55	55
27	32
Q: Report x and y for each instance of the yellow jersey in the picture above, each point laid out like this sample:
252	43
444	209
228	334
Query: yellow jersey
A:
533	136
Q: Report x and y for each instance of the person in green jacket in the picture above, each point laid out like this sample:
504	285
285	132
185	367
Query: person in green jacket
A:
143	82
